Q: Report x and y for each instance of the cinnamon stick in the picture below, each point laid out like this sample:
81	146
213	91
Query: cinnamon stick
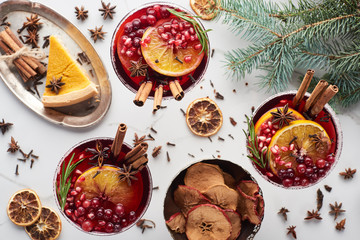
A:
181	91
136	152
325	97
158	97
318	90
137	96
140	162
118	140
145	93
303	88
175	91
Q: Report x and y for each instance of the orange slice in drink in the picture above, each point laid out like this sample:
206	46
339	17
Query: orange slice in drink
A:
301	138
204	117
165	51
106	185
24	207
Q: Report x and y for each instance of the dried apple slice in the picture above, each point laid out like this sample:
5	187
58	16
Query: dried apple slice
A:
186	197
203	176
247	209
208	222
177	222
235	220
223	196
248	188
260	206
229	180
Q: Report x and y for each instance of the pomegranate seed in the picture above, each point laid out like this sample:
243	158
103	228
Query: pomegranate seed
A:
101	223
196	37
80	211
164	37
262	138
187	25
268	140
73	193
132	216
273	132
173	32
264	149
276	147
129	53
270	124
95	202
283	101
73	179
181	26
261	144
81	179
78	203
171	41
192	31
91	215
68	212
167	27
109	227
276	126
70	199
86	204
320	163
177	42
140	33
74	218
160	30
267	130
82	197
151	19
87	226
78	189
281	162
147	39
133	49
174	21
78	172
187	35
198	46
269	174
184	45
128	42
123	50
192	38
292	147
288	164
264	126
120	210
143	44
139	51
274	151
277	159
175	26
284	149
187	59
178	36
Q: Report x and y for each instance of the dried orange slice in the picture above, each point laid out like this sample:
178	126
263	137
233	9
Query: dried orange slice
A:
204	8
24	207
107	184
204	117
166	58
300	138
47	227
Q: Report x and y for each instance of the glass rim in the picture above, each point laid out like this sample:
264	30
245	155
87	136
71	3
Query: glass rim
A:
96	233
339	140
113	56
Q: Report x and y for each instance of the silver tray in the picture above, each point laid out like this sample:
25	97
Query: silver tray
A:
79	115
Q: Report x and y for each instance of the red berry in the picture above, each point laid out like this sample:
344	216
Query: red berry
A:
320	163
129	53
160	30
330	158
124	222
167	27
187	59
151	19
128	27
143	20
120	210
95	202
115	219
108	214
101	223
82	197
117	227
136	23
87	226
136	42
191	31
132	216
297	181
78	203
301	168
132	35
198	46
100	213
309	162
140	32
147	40
304	182
150	11
80	211
287	182
109	227
164	12
68	212
91	215
86	203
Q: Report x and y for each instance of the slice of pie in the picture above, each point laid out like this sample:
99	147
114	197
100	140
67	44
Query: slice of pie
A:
66	83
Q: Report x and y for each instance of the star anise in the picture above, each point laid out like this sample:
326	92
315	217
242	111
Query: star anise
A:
4	23
55	85
126	174
99	153
81	13
107	10
32	38
319	140
138	68
4	126
291	230
340	225
13	146
33	23
349	173
313	215
282	117
336	209
283	212
97	33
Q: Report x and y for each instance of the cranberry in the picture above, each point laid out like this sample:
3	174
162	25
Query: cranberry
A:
132	216
290	173
321	172
287	182
80	211
327	166
320	163
117	227
281	173
87	226
300	159
314	177
136	23
128	28
297	181
330	158
150	11
309	171
139	33
100	213
95	202
80	220
109	227
115	219
86	203
108	214
164	12
124	222
151	19
136	42
120	210
132	35
101	223
91	215
304	182
197	46
301	168
143	20
309	162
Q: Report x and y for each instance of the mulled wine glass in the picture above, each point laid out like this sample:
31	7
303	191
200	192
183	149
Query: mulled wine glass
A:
295	163
97	202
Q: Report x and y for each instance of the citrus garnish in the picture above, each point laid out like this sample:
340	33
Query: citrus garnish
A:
107	185
169	51
204	117
294	144
269	116
24	207
47	227
204	8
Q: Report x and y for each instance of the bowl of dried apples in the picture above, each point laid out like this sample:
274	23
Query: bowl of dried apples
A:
214	199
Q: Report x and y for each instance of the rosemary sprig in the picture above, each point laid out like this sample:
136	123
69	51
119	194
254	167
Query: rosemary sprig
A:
64	184
255	155
199	31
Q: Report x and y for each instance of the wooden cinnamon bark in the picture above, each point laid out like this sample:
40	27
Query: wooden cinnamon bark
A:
303	88
118	140
318	90
325	97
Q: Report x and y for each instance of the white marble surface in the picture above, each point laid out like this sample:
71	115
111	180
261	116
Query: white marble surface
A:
50	142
